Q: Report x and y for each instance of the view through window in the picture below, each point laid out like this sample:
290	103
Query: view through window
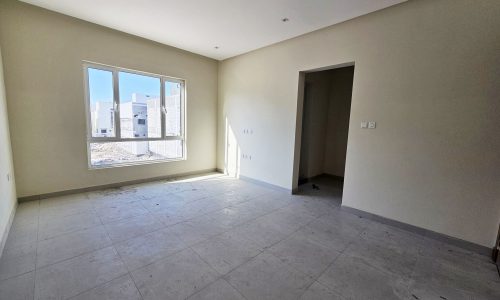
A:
133	117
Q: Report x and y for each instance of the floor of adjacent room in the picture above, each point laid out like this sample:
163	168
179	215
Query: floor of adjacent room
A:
215	237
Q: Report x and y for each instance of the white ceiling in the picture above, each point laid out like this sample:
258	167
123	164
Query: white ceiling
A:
235	26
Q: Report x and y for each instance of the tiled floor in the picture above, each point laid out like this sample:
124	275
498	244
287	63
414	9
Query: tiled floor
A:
220	238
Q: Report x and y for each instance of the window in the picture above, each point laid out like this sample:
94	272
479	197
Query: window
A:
133	117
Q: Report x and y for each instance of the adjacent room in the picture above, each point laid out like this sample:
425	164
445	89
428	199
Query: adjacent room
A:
284	149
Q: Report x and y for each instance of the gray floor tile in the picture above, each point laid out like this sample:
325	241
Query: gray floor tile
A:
145	249
306	255
175	277
177	187
179	237
64	206
125	229
220	290
400	261
70	245
173	216
231	217
122	288
317	291
266	277
226	252
353	278
311	206
17	261
61	225
26	213
118	211
336	235
18	288
434	276
21	234
204	206
163	203
192	194
71	277
285	221
195	231
228	198
261	234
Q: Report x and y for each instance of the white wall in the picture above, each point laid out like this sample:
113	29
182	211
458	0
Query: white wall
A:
43	53
427	71
7	186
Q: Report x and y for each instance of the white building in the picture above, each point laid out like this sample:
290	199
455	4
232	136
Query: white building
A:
102	118
140	118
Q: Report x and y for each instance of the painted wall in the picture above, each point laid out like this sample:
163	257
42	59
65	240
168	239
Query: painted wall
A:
43	53
8	199
337	127
427	71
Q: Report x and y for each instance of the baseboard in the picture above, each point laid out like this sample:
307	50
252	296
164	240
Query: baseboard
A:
113	185
5	234
265	184
470	246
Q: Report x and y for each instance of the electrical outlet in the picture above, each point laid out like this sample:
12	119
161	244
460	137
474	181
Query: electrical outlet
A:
364	124
372	125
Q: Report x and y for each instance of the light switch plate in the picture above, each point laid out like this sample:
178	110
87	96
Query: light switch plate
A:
372	125
364	124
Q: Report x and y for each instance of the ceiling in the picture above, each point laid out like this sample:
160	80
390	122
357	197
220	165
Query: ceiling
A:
234	26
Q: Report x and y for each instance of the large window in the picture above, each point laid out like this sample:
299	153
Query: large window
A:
133	117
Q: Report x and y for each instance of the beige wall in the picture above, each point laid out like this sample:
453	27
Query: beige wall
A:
7	186
427	71
43	53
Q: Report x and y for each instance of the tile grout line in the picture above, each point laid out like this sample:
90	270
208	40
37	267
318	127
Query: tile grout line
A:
104	283
189	219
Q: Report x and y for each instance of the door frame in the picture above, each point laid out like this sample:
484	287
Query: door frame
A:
300	115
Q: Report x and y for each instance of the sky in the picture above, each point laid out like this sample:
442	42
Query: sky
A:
101	85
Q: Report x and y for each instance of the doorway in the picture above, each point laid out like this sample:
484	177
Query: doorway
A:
323	113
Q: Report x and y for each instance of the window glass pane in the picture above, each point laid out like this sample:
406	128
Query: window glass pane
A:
173	106
110	153
140	106
101	103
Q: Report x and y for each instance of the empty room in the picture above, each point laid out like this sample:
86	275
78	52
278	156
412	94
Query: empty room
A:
283	149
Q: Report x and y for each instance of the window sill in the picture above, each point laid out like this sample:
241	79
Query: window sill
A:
137	163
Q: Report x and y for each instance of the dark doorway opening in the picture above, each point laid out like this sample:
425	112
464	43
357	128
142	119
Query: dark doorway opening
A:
326	111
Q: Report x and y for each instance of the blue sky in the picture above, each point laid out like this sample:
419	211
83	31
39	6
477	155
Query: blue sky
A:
101	85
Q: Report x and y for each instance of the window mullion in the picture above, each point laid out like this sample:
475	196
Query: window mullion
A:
163	108
116	105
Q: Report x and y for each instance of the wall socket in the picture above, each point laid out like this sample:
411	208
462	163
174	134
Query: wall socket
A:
246	156
368	124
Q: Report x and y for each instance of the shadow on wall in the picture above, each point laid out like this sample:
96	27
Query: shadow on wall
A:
232	152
